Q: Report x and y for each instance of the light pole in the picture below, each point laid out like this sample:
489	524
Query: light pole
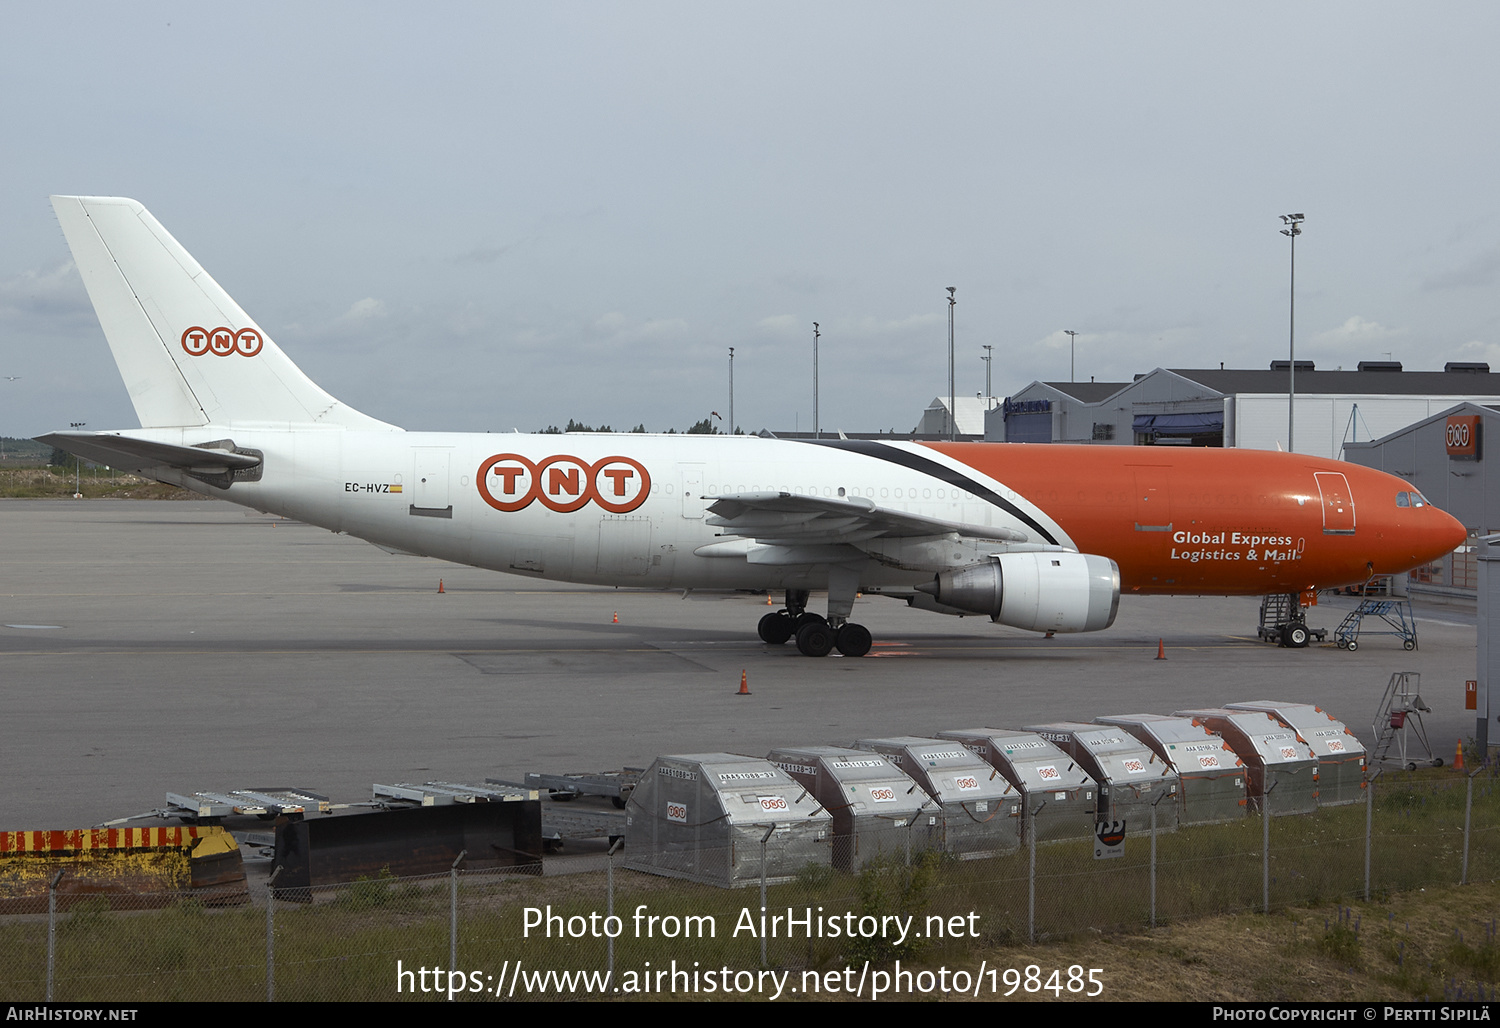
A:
1293	229
952	394
988	358
731	390
1072	354
77	464
817	434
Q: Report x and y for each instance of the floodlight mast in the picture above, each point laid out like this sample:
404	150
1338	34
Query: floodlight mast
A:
77	463
817	432
952	392
1293	229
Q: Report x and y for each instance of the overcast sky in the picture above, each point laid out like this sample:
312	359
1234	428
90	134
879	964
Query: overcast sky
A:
494	216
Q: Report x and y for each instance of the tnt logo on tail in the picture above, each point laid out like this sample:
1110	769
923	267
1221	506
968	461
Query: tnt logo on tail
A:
223	342
510	482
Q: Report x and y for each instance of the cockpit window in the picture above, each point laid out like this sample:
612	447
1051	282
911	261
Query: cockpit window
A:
1411	499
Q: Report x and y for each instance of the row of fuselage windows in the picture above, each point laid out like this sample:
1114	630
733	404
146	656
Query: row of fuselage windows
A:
1403	499
883	493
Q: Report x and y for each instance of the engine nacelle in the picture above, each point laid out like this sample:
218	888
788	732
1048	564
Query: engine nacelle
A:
1041	592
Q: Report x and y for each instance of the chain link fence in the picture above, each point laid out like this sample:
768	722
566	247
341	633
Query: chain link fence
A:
602	930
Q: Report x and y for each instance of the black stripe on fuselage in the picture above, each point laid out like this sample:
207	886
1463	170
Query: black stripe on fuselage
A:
926	466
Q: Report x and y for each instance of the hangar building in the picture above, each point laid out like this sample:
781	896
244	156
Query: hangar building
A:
970	421
1246	409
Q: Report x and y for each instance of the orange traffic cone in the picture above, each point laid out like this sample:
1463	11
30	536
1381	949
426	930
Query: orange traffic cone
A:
440	585
1458	758
768	601
616	620
744	685
1161	649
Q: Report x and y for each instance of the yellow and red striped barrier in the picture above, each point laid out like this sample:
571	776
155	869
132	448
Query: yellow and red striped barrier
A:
148	865
80	841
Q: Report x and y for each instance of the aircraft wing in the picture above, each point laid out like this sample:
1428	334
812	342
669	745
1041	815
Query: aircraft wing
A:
785	519
127	454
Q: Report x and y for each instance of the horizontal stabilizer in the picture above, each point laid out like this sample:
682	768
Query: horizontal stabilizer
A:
127	454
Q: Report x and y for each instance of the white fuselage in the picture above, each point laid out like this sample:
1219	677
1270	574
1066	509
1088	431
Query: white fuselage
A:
417	492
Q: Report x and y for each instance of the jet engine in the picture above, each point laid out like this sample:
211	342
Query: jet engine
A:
1038	591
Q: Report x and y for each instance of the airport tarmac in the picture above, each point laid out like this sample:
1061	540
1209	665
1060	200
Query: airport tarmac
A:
151	647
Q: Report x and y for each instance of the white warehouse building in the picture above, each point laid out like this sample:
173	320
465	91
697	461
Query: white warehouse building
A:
1246	409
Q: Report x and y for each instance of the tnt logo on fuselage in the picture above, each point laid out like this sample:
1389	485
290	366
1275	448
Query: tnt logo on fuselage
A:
510	482
221	341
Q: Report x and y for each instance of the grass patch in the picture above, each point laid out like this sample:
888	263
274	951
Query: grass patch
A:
54	483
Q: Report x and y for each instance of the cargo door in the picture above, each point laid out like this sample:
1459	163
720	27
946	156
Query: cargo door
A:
624	546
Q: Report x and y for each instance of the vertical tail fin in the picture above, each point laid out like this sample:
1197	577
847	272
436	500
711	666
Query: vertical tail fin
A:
189	355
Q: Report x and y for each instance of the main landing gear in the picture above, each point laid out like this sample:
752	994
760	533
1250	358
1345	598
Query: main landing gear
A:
816	635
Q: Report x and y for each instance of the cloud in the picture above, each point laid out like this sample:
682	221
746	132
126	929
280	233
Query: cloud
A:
366	324
363	310
1483	270
803	282
606	333
470	319
483	254
59	291
780	324
652	330
1356	332
1477	350
874	326
616	328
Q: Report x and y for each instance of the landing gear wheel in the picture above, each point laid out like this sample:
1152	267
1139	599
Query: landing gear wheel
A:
775	628
853	640
1295	635
807	617
815	639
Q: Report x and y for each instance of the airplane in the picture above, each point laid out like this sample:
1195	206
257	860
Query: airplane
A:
1039	537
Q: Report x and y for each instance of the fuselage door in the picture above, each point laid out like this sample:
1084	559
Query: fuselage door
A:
430	496
1153	500
692	490
1338	503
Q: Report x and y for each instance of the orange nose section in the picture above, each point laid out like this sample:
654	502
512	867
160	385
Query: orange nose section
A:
1445	536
